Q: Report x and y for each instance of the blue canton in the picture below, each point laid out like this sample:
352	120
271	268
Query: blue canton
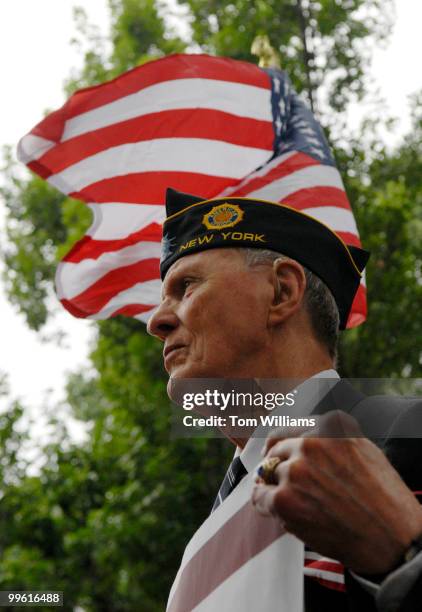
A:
295	126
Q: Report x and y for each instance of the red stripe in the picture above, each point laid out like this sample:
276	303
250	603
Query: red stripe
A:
296	162
74	310
151	187
351	239
336	586
88	248
131	310
358	312
39	168
208	568
51	127
158	71
329	566
102	291
311	197
186	123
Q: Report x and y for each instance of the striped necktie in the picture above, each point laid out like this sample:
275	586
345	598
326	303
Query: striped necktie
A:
233	476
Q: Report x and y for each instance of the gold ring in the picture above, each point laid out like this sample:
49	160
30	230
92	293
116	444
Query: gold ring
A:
266	470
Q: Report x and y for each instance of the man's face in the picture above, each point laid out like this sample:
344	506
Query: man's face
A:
213	316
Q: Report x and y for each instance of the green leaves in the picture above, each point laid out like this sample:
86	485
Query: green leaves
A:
107	521
390	222
325	45
139	34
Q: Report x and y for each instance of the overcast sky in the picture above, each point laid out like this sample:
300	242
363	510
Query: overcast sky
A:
36	57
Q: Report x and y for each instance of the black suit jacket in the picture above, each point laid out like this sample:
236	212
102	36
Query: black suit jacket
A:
387	421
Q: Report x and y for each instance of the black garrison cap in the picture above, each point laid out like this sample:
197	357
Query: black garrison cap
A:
194	224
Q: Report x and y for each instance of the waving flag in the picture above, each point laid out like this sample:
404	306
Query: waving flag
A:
205	125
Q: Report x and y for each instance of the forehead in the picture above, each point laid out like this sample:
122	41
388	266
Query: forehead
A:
213	260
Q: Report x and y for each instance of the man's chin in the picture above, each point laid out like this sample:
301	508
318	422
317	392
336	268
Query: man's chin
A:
182	372
195	371
184	369
175	385
176	374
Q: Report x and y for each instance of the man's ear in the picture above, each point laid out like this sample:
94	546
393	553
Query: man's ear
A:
289	289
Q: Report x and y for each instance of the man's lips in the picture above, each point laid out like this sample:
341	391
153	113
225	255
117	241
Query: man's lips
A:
169	351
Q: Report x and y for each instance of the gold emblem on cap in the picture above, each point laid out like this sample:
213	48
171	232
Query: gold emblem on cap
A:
222	216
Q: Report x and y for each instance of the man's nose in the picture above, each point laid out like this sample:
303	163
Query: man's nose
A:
162	322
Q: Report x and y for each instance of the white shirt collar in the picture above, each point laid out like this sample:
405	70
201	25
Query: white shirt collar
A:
250	455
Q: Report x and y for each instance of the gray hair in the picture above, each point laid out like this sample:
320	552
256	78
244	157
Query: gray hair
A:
319	300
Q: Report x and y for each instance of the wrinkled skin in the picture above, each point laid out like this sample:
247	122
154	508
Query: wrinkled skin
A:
340	495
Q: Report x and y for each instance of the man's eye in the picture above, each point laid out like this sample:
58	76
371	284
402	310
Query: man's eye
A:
187	282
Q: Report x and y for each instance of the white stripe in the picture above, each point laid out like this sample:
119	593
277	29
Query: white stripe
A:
272	580
145	316
235	98
74	278
314	556
141	293
338	219
113	221
313	176
32	147
210	157
324	575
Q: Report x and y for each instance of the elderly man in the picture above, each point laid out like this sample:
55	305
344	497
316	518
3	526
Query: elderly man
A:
254	289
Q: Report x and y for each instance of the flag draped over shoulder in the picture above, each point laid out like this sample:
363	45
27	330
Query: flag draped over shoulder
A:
205	125
239	560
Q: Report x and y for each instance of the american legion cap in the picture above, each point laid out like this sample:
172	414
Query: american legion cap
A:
194	224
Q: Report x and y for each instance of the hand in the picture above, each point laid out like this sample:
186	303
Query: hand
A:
340	495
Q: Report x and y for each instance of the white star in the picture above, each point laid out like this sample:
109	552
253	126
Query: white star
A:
282	106
314	141
317	150
308	130
299	123
286	145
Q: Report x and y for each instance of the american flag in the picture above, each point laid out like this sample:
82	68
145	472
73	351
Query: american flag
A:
239	560
206	125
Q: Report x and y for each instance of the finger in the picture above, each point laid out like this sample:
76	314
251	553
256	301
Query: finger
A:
282	433
284	449
263	499
338	424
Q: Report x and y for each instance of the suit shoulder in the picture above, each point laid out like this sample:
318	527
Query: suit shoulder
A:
385	416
